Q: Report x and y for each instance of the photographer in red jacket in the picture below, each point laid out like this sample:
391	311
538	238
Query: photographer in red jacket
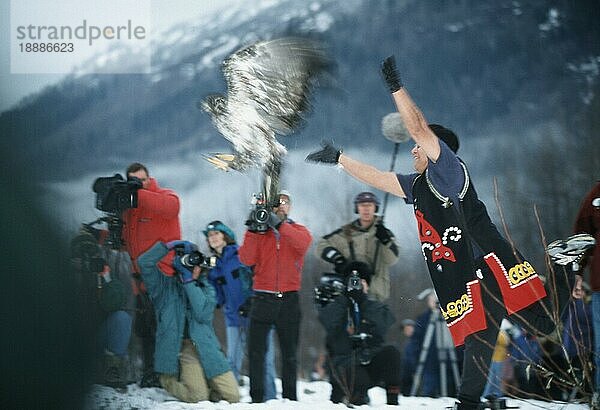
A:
277	256
156	218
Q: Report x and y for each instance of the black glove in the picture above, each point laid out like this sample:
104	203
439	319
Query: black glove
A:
134	183
274	221
332	255
382	233
390	74
328	155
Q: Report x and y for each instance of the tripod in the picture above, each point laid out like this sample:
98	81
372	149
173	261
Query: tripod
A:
445	349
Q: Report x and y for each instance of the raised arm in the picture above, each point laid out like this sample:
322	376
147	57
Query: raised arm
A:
411	115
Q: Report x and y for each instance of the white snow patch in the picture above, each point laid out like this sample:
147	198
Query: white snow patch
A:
313	395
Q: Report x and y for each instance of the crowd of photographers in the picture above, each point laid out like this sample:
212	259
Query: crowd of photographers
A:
150	283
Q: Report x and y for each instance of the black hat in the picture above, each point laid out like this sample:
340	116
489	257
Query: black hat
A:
362	268
446	135
365	197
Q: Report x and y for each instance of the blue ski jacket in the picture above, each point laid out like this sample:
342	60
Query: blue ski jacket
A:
233	283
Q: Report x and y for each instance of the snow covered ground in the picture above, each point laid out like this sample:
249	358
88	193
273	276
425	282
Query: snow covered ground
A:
311	395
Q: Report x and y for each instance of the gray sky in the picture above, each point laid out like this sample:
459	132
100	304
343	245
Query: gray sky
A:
164	13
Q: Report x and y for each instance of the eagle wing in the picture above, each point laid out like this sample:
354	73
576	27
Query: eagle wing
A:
275	77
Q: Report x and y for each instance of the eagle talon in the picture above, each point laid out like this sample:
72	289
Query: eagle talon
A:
224	162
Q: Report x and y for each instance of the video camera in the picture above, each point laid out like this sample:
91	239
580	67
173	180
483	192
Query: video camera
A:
113	196
259	216
194	258
331	285
354	281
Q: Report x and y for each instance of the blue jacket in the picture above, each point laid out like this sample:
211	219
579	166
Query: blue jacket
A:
233	282
174	303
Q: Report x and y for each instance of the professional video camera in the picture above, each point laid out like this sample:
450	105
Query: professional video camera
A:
331	286
259	216
194	258
113	196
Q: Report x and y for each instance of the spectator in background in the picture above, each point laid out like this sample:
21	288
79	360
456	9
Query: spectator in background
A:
233	283
188	354
277	257
156	218
578	337
430	382
525	354
588	221
494	387
104	277
410	355
365	239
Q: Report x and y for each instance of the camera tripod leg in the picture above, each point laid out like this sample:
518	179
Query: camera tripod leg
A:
423	355
448	357
442	356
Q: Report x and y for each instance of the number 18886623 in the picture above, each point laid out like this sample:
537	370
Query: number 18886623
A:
46	47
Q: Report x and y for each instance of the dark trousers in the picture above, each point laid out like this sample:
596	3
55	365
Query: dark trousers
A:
537	319
357	379
283	313
145	328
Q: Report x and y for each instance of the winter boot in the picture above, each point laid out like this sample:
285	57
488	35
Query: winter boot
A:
114	371
391	393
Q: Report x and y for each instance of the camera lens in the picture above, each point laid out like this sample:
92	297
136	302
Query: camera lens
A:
192	259
261	216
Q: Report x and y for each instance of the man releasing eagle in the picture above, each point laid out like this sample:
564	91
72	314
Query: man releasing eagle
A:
268	84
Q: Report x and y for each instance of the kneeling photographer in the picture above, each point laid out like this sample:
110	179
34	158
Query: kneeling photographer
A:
104	277
358	358
188	356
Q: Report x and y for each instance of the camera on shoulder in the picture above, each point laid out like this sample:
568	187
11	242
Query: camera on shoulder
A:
114	194
259	215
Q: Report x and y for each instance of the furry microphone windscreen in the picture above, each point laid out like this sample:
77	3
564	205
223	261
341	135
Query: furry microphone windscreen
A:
393	128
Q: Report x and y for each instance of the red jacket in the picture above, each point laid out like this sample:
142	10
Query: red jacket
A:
156	218
277	258
588	221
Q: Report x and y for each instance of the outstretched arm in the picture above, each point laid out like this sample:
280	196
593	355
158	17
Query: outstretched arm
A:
368	174
413	118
